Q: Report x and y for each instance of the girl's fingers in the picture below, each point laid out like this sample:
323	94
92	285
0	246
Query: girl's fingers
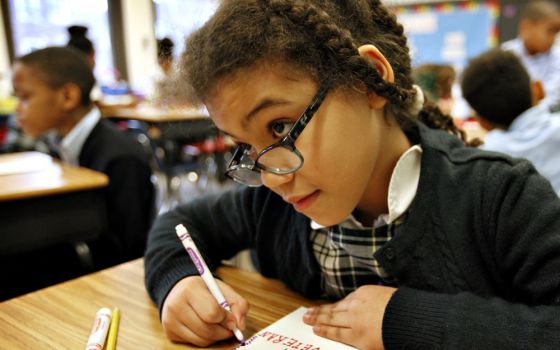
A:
329	317
330	314
191	314
182	333
340	334
198	323
239	306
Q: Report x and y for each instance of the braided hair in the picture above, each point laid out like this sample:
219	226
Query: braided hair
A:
320	37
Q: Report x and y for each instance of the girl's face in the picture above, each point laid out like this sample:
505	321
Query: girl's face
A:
39	108
349	147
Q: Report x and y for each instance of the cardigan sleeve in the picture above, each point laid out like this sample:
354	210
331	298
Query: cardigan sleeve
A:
522	218
221	226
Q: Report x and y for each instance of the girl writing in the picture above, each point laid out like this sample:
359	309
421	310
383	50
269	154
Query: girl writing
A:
368	196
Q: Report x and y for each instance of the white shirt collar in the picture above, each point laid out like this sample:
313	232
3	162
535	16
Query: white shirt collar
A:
402	189
71	145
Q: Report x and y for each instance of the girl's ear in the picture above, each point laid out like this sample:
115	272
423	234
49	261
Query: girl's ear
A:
376	59
72	96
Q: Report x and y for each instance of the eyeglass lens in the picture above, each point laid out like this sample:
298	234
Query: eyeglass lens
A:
280	160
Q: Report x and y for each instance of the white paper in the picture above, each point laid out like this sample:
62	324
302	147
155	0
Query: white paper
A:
20	163
290	333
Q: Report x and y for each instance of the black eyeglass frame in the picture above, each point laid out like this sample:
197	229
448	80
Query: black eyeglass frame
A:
287	141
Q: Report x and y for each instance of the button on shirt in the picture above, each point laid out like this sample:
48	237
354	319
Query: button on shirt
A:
345	252
544	67
534	135
71	145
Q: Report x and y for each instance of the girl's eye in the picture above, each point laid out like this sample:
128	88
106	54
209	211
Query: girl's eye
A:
280	128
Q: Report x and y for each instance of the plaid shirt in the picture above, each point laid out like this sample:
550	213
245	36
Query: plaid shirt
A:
345	251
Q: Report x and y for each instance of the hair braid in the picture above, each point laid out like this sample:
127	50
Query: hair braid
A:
320	28
386	22
430	114
340	45
433	117
318	37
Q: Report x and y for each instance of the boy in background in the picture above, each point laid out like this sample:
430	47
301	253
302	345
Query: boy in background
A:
499	89
53	86
538	27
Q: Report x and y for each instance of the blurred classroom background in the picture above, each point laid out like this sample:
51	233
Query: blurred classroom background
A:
187	155
443	35
131	83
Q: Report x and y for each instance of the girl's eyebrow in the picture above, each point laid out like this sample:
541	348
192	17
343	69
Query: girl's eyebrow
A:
266	103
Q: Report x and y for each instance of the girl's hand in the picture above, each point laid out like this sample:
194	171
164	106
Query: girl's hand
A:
190	314
355	320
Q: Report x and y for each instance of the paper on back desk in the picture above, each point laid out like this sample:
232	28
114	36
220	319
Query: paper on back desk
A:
290	333
25	162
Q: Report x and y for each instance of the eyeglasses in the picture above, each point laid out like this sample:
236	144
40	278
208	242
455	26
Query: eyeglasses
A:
279	158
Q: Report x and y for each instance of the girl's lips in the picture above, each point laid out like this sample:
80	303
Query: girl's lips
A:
301	204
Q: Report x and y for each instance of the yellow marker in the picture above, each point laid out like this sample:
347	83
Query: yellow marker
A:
113	329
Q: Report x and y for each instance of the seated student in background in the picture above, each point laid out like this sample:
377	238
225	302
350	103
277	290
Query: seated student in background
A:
163	79
498	88
436	80
53	87
79	40
367	196
165	55
535	46
169	89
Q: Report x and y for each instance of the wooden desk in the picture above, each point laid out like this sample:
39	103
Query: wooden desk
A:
167	131
60	317
175	124
51	204
153	114
52	178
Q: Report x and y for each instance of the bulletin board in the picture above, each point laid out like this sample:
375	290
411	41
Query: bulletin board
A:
449	33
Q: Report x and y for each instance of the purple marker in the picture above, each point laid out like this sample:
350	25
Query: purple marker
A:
205	273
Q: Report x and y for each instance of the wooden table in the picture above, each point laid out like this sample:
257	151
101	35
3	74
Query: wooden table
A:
164	132
176	124
51	177
154	114
44	202
60	317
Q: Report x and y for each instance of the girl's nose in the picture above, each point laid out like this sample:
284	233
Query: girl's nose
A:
272	180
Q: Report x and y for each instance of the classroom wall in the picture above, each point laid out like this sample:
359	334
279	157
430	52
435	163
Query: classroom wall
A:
510	14
5	84
139	40
140	43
